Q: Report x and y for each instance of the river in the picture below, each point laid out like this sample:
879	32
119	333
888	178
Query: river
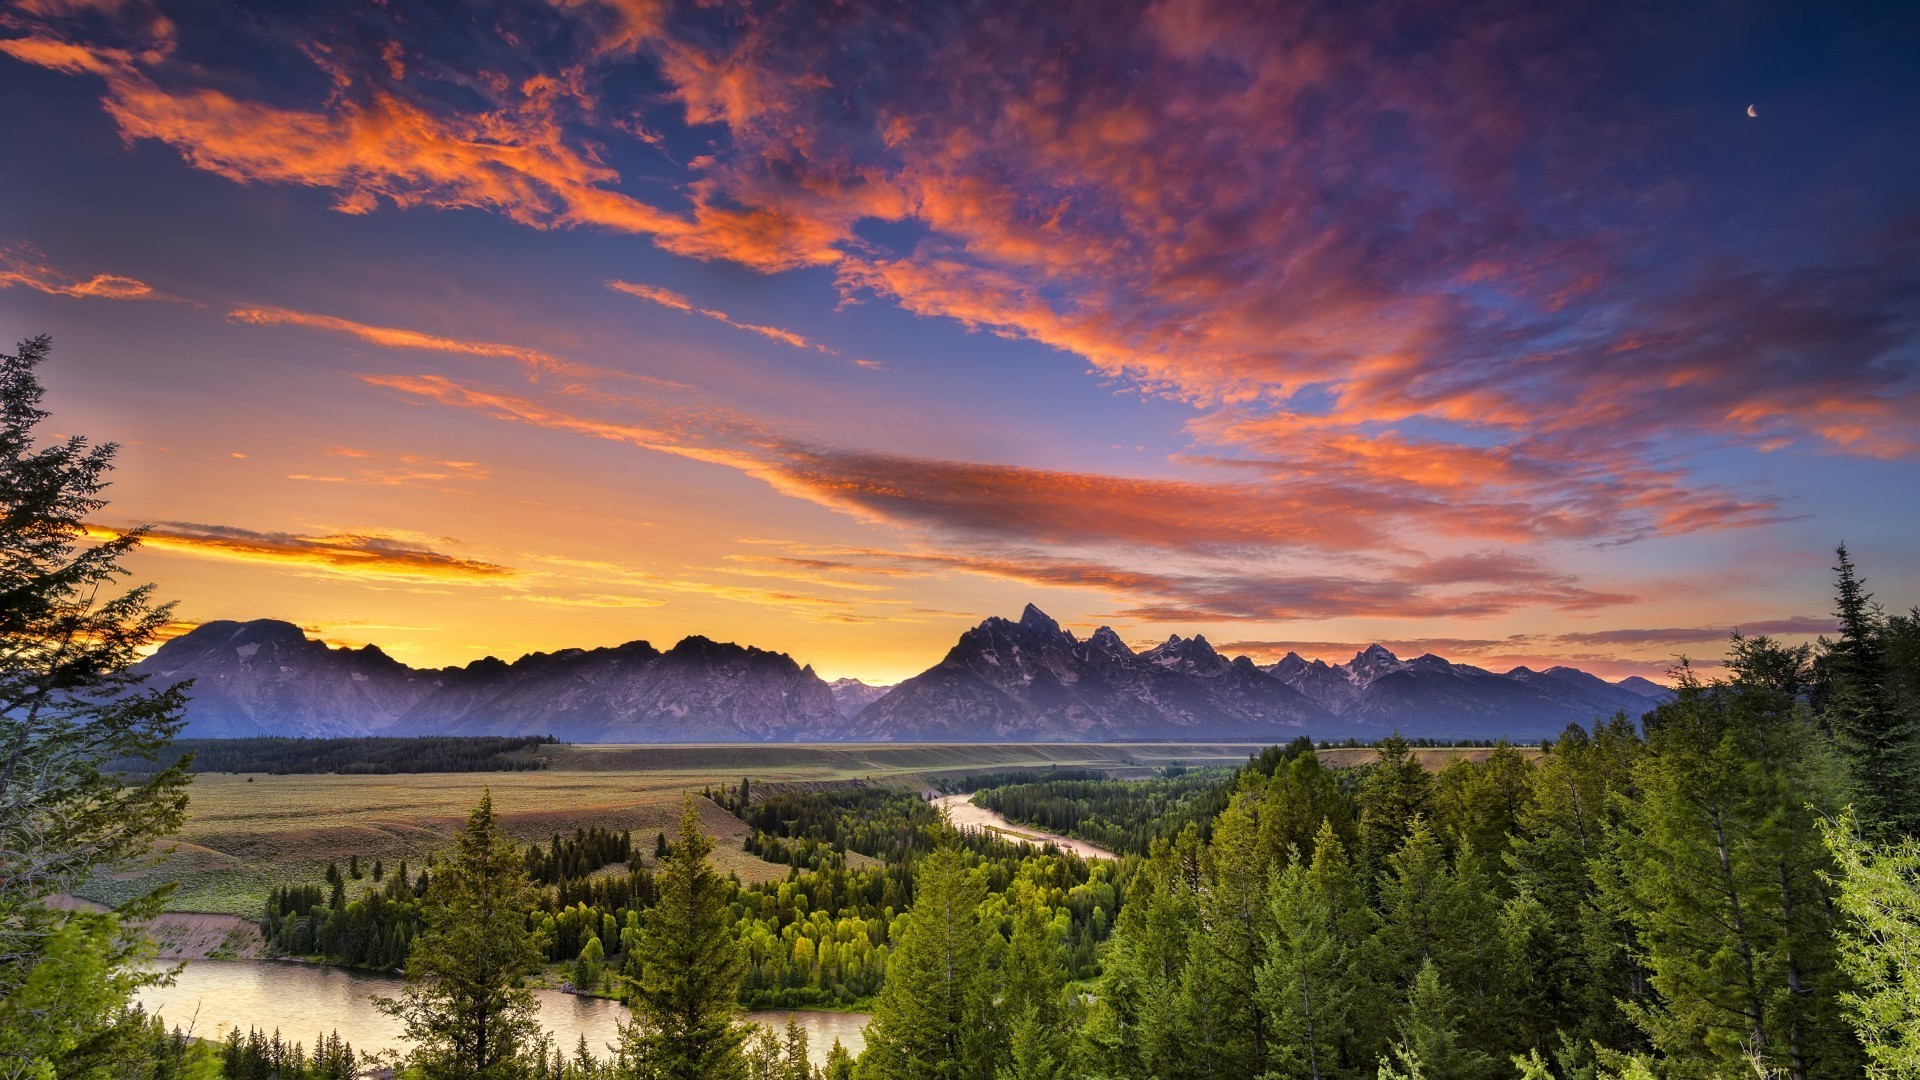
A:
965	815
304	1000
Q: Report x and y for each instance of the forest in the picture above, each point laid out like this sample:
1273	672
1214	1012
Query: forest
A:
276	756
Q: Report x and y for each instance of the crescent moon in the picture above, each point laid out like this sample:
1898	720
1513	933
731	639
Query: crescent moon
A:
1753	110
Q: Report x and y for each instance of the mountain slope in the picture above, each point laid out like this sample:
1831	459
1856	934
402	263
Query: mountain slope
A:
266	677
1028	680
1430	696
1031	680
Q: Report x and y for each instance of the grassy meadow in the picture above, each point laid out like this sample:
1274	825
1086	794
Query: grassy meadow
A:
246	833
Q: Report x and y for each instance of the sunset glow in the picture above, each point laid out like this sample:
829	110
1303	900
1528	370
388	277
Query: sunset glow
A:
1486	330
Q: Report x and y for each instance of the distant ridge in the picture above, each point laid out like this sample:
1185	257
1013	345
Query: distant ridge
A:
1024	680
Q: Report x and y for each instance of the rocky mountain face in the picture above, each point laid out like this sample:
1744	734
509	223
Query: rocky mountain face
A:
852	695
267	678
1020	681
1377	692
1032	681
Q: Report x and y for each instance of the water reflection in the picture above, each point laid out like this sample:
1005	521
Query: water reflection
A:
302	1001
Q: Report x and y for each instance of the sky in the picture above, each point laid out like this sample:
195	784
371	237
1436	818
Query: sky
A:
1516	334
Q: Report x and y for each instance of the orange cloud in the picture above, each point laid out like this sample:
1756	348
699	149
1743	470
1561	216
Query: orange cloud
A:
18	267
669	299
536	362
358	555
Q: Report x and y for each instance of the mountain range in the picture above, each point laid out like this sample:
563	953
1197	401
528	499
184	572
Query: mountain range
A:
1003	681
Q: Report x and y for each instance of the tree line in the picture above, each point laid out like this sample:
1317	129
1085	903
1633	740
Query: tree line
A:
279	756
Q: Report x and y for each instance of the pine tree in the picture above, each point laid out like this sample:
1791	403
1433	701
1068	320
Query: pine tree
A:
839	1063
1585	961
1226	1026
67	709
1719	869
1032	980
1878	732
1301	798
1429	1046
1135	1027
1879	894
926	1020
1397	789
1311	978
466	1004
687	1023
794	1051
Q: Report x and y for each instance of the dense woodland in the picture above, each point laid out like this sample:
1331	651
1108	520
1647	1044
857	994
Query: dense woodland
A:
281	757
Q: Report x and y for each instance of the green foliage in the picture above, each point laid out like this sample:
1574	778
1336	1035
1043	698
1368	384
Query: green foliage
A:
1879	895
1136	1026
1720	870
466	1004
932	1019
1396	791
1865	686
67	709
1429	1046
1119	815
1302	797
589	968
1312	979
258	1056
686	1015
59	1019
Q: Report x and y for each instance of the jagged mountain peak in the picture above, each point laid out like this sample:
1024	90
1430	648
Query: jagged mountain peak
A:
1032	618
1104	640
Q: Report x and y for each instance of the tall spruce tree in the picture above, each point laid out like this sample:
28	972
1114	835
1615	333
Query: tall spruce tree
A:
1300	798
466	1005
1397	789
1719	869
687	1023
1312	976
1032	982
1429	1045
1879	895
1226	1027
1135	1026
930	1021
1585	958
1877	727
68	634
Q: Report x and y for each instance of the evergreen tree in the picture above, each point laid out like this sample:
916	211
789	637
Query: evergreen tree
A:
1719	868
927	1020
1227	1028
1481	802
1032	980
466	1004
1879	894
1301	798
1311	978
1397	789
794	1049
1857	693
839	1064
687	1023
1429	1046
1135	1027
67	709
